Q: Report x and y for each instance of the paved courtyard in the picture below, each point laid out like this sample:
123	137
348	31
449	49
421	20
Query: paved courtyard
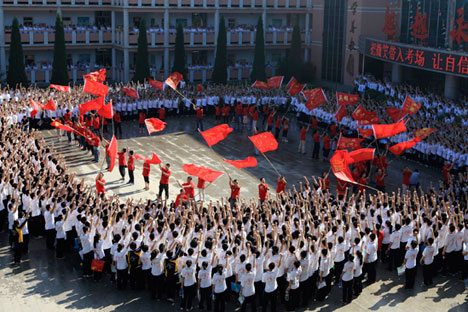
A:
43	283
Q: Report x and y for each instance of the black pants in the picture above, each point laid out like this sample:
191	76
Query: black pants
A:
465	269
3	218
383	252
189	293
50	239
259	287
87	259
315	153
135	278
157	286
338	269
282	284
122	279
60	247
25	243
371	272
18	250
171	282
323	292
165	188
393	259
347	291
427	273
247	300
122	171
305	292
410	276
107	261
357	285
293	302
270	298
131	176
220	301
118	128
205	298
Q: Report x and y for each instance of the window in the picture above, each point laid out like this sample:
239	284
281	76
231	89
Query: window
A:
29	60
83	21
232	23
136	21
199	19
84	59
292	19
104	57
103	18
152	22
182	21
199	57
277	22
67	21
28	21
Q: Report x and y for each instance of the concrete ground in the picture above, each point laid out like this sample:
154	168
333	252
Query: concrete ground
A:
43	283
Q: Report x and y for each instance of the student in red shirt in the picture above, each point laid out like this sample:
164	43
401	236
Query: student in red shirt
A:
263	191
164	182
201	189
324	181
326	146
277	127
285	130
303	139
122	162
333	130
162	113
106	148
406	179
314	123
217	113
341	187
235	191
226	111
189	187
146	173
95	142
131	167
141	122
380	177
199	114
100	184
238	110
254	114
118	123
280	185
270	121
446	170
181	198
97	125
363	182
315	153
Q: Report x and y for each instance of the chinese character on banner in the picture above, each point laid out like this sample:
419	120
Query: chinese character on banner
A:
463	65
450	63
419	27
390	24
409	56
419	59
399	57
373	49
460	32
392	53
436	60
385	51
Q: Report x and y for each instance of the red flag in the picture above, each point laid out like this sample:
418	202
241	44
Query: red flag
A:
314	97
155	160
66	89
396	114
58	125
239	164
410	106
385	131
372	120
291	82
50	105
423	133
201	172
36	106
349	143
156	84
199	88
340	166
341	113
346	99
154	125
141	157
264	142
216	134
365	133
174	79
360	113
112	149
106	111
95	104
275	82
95	88
99	76
295	89
260	85
399	148
130	92
362	154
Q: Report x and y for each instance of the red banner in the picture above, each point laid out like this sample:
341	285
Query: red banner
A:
174	79
346	99
156	84
202	172
216	134
99	76
244	163
275	82
264	142
154	125
260	85
385	131
349	143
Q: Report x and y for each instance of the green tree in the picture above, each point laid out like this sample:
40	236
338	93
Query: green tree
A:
258	67
179	52
16	73
142	71
59	65
295	62
220	64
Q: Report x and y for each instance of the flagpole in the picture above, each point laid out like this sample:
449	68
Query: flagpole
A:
271	164
185	98
221	162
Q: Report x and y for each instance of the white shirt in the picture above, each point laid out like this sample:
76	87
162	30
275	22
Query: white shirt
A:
59	228
188	273
428	255
294	277
348	271
145	260
410	257
157	265
247	283
371	250
49	220
219	282
269	278
121	259
204	276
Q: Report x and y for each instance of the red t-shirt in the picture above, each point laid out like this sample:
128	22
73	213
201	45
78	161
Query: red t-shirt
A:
146	169
218	111
270	119
96	123
446	172
263	191
281	186
199	112
303	134
277	122
317	138
122	158
341	187
89	122
255	115
235	190
131	163
162	113
380	179
245	111
179	199
406	177
226	110
141	118
189	188
326	143
95	141
314	123
67	116
164	178
362	181
117	117
201	183
100	188
333	130
238	109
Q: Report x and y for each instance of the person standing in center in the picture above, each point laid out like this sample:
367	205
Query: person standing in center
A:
263	191
122	162
164	182
131	167
146	173
315	153
199	114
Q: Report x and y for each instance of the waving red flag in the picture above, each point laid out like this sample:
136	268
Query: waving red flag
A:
399	148
59	125
346	99
99	76
112	149
385	131
396	114
130	92
141	157
340	166
369	121
341	113
156	84
349	143
360	113
95	104
410	106
260	85
174	79
362	154
216	134
36	106
291	82
95	88
50	105
65	89
314	97
155	160
423	133
275	82
295	89
106	111
264	142
244	163
202	172
365	133
155	125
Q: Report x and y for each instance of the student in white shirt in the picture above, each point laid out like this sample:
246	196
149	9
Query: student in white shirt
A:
188	284
120	262
357	276
410	265
347	278
248	288
49	226
219	288
157	272
145	259
204	285
271	285
395	237
60	235
293	288
427	260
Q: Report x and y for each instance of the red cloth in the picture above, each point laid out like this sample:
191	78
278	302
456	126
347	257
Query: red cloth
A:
291	82
112	152
95	88
162	113
141	118
365	133
99	76
96	123
235	190
154	125
117	117
66	89
101	189
396	114
341	113
369	121
346	99
201	184
315	98
199	88
380	179
199	112
362	154
316	138
58	125
106	111
280	186
295	89
50	105
410	106
399	148
174	79
385	131
130	92
340	166
349	143
202	172
216	134
180	198
146	169
264	142
263	191
303	134
248	162
95	104
423	133
260	85
406	177
326	143
131	162
122	161
155	159
156	84
166	173
189	188
360	113
36	106
275	82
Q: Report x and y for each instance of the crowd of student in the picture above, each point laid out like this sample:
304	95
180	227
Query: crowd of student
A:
292	249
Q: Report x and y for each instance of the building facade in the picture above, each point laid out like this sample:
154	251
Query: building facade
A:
105	33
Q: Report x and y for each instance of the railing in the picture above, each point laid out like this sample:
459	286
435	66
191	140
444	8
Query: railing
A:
43	75
45	37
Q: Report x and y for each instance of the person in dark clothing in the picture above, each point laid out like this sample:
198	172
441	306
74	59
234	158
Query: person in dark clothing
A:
18	238
134	264
170	269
